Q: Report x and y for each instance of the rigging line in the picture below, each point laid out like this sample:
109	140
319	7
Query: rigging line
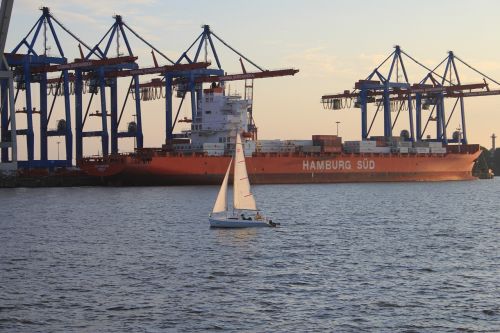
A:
124	103
434	69
189	48
70	33
55	97
24	41
452	111
33	28
178	111
374	117
17	94
238	53
148	44
383	62
428	119
88	108
397	116
422	65
475	70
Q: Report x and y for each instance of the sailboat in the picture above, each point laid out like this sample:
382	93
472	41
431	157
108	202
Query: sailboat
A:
243	199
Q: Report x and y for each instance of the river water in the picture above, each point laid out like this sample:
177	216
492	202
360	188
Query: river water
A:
391	257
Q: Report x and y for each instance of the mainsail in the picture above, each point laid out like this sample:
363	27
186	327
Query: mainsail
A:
243	197
221	202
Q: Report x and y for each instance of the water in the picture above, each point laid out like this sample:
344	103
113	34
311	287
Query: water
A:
404	257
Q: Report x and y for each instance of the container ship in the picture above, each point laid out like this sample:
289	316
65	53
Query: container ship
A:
200	155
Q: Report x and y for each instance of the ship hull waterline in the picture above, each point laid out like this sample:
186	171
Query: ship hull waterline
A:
293	169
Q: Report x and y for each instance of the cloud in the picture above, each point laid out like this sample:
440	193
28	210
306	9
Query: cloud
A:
315	62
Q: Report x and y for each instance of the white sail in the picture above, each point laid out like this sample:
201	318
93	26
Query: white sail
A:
243	197
221	202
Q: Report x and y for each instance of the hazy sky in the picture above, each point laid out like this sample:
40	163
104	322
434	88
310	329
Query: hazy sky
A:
333	43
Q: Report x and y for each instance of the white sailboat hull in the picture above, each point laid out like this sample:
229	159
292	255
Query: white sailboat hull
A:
236	223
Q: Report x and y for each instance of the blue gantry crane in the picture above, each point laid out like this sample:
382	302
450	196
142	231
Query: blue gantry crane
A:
29	69
392	95
192	81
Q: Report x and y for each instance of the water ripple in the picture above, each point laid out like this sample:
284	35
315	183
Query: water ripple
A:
408	257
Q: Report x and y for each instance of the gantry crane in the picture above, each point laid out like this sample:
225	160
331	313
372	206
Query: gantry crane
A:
30	68
391	94
192	81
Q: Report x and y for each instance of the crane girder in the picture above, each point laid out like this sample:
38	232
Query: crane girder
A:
247	76
223	78
84	64
159	70
449	91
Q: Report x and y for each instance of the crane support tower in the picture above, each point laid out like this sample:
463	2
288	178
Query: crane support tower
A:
8	142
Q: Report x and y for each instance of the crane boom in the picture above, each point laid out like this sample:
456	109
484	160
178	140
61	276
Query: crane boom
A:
247	76
230	77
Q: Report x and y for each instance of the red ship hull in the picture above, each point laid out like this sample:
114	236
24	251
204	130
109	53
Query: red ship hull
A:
174	169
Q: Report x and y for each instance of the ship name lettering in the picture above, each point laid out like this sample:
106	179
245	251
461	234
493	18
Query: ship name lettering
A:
366	164
326	165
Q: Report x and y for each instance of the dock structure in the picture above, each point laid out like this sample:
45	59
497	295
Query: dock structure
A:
72	92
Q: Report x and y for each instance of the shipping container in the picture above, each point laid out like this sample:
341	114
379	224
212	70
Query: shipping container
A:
440	150
406	144
419	150
311	149
331	149
301	143
435	144
420	144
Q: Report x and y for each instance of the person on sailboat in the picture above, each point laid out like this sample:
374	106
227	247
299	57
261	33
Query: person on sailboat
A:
258	217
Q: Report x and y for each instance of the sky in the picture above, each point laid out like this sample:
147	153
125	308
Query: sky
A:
333	43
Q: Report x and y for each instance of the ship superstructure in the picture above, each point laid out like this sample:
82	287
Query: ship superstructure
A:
218	118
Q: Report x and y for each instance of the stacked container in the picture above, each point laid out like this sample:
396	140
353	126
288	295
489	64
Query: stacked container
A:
419	150
402	147
364	146
437	148
328	143
311	149
268	146
381	141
